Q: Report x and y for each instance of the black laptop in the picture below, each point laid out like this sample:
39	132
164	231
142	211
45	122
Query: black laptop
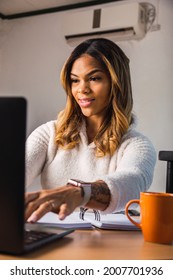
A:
16	237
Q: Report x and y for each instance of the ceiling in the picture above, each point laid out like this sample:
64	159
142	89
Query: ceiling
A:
11	7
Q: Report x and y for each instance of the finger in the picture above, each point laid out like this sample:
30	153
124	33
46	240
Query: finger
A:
40	212
64	211
34	201
31	196
30	208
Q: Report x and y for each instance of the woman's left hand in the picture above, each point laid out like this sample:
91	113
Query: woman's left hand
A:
62	200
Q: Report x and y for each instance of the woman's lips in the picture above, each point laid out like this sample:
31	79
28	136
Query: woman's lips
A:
85	102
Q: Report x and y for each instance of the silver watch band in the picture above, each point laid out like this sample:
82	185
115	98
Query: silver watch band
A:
87	195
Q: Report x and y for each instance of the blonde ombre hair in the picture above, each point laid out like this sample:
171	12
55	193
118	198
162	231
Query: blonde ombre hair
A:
119	111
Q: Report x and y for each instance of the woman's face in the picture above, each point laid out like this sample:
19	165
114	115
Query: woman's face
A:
90	86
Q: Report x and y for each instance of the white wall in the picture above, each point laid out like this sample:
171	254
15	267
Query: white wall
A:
33	50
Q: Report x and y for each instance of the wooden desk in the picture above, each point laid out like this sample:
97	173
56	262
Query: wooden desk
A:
100	245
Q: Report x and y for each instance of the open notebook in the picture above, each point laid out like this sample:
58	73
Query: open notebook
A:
109	221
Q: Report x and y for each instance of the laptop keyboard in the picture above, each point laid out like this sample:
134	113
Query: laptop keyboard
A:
32	236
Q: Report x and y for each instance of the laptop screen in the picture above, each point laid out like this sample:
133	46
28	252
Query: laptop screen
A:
12	172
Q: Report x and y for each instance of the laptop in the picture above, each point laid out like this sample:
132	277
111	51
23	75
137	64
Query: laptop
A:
16	236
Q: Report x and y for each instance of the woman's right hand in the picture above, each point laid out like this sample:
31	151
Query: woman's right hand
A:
61	200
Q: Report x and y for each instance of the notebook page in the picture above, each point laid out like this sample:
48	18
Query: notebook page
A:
71	221
112	221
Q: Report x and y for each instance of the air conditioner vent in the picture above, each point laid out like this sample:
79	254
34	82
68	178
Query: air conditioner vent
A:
123	21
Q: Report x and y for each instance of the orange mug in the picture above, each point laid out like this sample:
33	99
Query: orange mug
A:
156	216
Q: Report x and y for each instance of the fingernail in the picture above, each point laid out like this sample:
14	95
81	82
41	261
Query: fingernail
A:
32	218
62	216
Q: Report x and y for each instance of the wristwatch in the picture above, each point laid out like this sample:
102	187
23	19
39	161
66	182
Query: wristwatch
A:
86	189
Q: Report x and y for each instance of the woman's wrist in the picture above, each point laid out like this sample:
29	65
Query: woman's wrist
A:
85	189
95	195
77	193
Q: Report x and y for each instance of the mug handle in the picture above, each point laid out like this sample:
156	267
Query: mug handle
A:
127	213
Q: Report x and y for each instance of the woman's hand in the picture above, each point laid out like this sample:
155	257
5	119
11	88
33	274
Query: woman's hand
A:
62	201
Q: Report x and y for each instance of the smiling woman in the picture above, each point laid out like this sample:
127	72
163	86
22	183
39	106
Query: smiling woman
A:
93	140
101	64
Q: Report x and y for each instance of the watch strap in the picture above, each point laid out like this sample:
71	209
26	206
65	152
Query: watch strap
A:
87	194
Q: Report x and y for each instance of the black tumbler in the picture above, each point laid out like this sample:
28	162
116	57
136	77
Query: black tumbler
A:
168	156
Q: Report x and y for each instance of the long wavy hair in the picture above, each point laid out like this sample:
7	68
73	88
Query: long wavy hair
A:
119	111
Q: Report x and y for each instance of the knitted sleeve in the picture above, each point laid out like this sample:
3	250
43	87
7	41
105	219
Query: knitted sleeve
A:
37	146
134	173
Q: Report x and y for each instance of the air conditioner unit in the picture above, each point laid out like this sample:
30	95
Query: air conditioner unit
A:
120	22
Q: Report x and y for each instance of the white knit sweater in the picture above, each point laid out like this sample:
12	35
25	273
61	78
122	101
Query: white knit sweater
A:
128	172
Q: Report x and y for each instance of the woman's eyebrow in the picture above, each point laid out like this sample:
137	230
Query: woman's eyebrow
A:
90	73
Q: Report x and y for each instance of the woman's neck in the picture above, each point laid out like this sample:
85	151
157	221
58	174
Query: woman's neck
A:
92	127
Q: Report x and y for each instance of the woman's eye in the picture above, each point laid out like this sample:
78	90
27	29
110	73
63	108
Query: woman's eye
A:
74	81
95	79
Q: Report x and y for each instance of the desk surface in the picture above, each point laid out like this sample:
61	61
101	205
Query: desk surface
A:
100	245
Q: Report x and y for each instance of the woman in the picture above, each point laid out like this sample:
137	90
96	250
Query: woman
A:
93	140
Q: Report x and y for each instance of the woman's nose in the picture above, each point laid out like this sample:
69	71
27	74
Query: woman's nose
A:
84	91
84	88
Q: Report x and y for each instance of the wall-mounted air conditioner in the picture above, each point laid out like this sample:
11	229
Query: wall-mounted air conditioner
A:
122	21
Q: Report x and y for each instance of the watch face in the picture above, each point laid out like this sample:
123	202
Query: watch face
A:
75	182
78	183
